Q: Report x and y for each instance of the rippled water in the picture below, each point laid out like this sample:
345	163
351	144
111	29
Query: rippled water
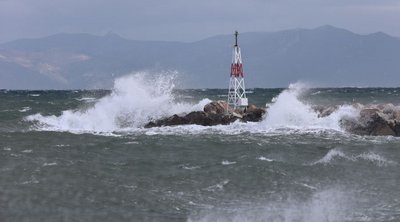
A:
84	156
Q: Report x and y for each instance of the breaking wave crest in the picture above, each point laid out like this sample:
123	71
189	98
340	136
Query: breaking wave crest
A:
135	100
336	154
288	111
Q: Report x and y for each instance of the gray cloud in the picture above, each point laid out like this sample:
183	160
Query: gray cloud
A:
189	20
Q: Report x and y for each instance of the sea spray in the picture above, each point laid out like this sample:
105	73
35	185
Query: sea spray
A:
135	100
288	111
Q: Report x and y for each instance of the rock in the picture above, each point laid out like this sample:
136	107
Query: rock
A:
370	122
170	121
324	111
215	113
223	119
396	114
198	118
237	115
369	113
252	108
358	106
396	127
253	114
217	107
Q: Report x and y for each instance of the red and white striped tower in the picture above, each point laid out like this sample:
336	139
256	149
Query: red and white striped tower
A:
237	92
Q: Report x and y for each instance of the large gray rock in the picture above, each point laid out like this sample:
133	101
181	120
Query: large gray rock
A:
253	114
215	113
217	107
379	120
324	111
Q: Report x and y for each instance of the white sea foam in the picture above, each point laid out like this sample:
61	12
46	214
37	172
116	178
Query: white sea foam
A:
62	145
87	99
226	162
336	154
32	180
135	100
50	164
265	159
190	167
25	109
376	159
218	186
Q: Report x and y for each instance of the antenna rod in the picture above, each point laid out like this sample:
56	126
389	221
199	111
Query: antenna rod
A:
236	37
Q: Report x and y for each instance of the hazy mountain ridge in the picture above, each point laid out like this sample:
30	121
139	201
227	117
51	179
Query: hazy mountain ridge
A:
326	55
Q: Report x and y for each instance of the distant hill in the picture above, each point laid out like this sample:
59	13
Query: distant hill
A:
326	56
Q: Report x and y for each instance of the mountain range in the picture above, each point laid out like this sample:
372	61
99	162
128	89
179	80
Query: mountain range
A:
325	56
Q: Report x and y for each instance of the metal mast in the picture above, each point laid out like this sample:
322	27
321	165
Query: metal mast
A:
237	92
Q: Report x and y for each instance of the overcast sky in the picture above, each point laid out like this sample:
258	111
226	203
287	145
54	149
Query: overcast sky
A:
190	20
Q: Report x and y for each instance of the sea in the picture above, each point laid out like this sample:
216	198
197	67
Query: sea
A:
84	155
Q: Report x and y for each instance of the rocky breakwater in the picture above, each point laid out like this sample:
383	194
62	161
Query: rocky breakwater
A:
373	120
214	113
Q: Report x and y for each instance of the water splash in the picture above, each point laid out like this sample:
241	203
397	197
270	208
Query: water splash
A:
135	100
288	111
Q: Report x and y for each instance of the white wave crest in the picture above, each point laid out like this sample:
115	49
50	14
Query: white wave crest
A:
135	100
376	159
370	157
226	162
332	154
265	159
288	111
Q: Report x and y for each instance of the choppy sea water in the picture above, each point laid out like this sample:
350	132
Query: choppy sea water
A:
85	156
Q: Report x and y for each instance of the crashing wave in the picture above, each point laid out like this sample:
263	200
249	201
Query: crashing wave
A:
134	101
